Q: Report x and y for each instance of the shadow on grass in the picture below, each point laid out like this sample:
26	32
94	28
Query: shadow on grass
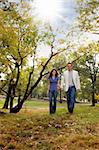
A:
2	113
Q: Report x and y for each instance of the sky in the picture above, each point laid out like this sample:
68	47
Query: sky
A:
62	22
65	19
68	12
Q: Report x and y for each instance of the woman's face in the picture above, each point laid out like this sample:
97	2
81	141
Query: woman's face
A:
54	73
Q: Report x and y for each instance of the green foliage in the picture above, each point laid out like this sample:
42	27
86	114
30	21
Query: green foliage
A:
18	40
89	52
16	34
88	19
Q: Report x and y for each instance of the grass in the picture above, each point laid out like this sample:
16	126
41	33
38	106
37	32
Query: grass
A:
34	129
1	103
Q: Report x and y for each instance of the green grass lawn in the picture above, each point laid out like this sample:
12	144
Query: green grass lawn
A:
34	129
1	103
35	104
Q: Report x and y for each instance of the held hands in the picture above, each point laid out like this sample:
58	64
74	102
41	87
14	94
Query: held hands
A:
58	87
79	90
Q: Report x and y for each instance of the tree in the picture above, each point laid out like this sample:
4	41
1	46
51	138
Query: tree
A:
88	69
88	18
17	43
15	53
93	70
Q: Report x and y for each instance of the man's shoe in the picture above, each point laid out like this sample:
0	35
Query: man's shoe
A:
71	110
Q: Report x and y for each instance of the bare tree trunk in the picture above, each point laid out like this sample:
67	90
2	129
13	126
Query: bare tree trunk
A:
60	89
12	96
18	107
93	95
5	106
11	102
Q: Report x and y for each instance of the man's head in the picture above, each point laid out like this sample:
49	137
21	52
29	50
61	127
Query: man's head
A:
70	66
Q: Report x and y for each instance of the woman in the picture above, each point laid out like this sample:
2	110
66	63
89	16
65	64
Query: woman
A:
53	85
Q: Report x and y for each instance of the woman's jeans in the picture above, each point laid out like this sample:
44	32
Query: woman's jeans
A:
71	98
52	99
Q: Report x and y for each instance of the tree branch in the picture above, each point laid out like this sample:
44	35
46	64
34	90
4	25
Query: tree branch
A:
30	75
60	68
3	90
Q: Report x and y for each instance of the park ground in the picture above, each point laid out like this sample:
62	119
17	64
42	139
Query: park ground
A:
34	129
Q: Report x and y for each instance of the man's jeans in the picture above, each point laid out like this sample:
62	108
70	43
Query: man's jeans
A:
53	99
71	98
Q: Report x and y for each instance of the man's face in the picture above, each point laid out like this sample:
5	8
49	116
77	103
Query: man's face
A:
69	67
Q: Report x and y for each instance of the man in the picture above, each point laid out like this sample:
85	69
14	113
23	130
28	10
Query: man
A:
72	83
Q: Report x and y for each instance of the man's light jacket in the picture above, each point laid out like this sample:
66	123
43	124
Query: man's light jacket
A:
65	80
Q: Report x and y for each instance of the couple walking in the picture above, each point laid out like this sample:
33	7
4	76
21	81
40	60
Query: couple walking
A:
71	84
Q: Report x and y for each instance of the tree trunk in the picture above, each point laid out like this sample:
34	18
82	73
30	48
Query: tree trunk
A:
11	91
7	98
60	89
5	106
17	108
11	103
60	96
93	99
19	98
93	95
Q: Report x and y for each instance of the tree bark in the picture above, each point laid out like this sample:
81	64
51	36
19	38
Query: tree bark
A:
5	106
17	108
60	89
93	94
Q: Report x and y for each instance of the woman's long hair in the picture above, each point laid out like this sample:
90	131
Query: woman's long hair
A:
56	75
